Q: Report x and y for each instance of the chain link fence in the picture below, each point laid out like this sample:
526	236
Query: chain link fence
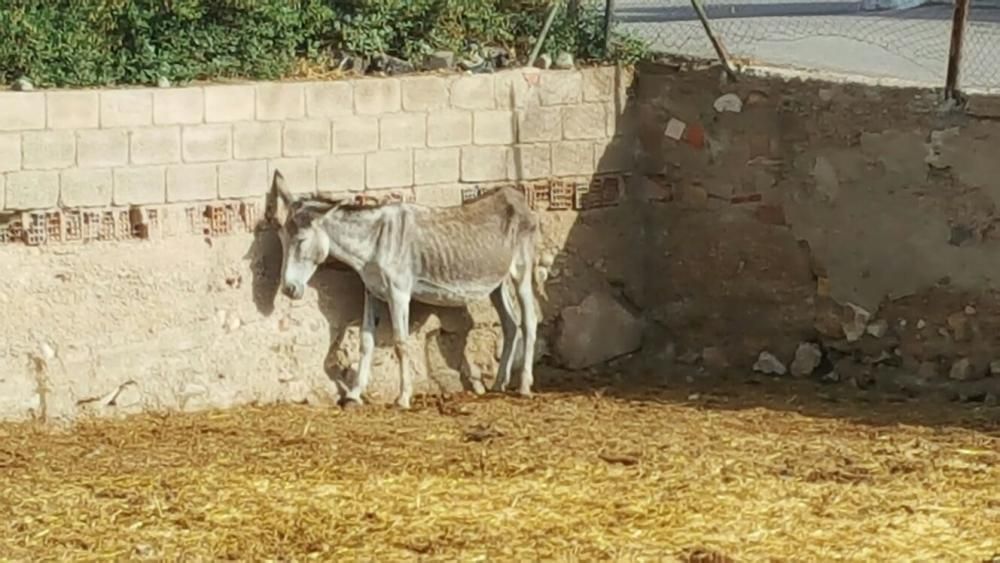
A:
907	40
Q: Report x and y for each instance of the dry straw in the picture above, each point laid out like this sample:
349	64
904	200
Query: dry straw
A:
566	477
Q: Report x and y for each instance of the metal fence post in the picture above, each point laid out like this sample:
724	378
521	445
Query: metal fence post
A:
609	14
959	19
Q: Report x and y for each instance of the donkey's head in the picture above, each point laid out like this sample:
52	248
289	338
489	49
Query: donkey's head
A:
304	243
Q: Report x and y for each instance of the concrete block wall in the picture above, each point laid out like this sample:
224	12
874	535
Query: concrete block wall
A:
198	143
100	320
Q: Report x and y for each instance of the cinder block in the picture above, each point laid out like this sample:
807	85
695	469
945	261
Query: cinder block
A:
307	138
48	150
225	104
245	178
423	93
85	187
255	140
516	89
572	158
403	130
280	100
531	162
207	143
73	110
178	106
10	152
32	190
101	148
126	108
341	173
137	185
585	121
439	195
21	111
192	182
614	155
389	169
436	166
376	96
560	87
473	92
299	173
539	124
494	127
485	164
155	145
355	134
598	84
449	128
329	99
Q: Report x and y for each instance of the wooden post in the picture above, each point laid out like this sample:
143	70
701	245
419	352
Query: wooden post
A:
720	49
609	15
958	21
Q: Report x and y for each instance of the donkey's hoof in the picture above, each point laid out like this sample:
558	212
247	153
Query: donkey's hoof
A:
478	388
351	404
525	394
403	405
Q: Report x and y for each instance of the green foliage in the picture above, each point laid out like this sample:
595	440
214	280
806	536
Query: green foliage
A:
103	42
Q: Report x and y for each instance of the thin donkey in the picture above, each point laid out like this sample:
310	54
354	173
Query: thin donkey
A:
447	257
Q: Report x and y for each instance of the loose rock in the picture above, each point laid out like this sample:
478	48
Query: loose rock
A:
544	62
769	364
995	368
878	328
714	357
855	328
807	358
564	61
595	331
439	60
728	102
959	325
964	370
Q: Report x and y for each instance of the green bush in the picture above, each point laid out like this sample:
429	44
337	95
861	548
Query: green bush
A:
104	42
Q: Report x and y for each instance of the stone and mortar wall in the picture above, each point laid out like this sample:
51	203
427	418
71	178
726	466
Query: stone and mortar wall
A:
135	274
849	225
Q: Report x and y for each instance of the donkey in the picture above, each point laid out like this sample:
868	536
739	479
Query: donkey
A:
448	257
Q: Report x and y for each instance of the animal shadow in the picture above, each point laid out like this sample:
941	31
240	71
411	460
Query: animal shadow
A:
340	299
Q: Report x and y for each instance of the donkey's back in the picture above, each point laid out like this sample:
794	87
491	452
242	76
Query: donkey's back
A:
462	253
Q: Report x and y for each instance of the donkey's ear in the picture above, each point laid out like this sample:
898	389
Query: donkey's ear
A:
279	200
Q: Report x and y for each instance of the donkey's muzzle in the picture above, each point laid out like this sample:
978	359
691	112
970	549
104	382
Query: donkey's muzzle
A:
293	290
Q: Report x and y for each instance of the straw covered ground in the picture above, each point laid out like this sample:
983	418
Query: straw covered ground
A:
754	472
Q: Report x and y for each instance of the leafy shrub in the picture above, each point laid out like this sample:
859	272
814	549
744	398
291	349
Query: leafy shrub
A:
103	42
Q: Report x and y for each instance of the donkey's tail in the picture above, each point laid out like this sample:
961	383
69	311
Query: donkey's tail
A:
540	275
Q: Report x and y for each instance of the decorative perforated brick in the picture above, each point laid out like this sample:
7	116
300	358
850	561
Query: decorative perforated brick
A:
561	195
250	215
197	223
72	225
470	194
35	231
11	228
90	225
528	191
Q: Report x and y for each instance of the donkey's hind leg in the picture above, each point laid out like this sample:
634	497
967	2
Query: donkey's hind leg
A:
399	310
529	323
501	299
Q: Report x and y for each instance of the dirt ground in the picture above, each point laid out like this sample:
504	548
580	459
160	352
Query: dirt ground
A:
698	470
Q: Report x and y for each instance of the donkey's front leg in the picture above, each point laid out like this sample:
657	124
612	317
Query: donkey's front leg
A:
369	321
399	310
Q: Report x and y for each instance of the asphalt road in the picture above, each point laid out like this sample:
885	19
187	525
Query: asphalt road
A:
834	36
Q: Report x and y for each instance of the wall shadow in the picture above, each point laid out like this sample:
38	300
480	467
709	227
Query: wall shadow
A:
700	251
